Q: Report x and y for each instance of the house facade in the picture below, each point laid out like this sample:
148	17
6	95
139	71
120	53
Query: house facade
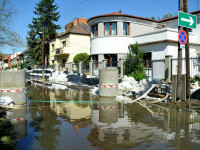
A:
111	35
66	45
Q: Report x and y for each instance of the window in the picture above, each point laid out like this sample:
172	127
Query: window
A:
110	28
125	28
64	43
147	60
52	45
95	30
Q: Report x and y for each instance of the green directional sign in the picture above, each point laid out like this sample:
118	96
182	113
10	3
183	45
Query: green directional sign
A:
13	62
187	20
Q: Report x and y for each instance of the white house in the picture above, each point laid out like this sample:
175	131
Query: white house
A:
111	35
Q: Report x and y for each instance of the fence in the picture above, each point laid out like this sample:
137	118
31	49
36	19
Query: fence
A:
85	68
194	66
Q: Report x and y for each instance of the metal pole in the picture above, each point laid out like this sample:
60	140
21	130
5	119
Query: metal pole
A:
43	54
179	57
187	55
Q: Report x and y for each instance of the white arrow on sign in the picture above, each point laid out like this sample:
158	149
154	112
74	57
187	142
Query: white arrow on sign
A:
191	21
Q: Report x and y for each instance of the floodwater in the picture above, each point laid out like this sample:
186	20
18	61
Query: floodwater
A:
73	120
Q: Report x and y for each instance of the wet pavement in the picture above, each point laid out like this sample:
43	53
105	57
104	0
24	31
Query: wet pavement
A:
74	119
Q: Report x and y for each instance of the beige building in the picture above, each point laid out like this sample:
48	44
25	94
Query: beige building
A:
66	45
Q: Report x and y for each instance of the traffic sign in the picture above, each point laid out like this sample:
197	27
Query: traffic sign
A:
182	37
187	20
13	62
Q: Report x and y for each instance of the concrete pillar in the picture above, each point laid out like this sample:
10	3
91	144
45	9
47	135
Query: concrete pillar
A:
121	65
71	67
120	28
104	64
174	88
90	67
168	67
108	111
183	91
108	82
80	67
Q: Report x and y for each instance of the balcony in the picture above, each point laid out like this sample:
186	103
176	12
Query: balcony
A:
59	51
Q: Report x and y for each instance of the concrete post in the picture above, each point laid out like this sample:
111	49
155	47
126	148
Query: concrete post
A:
13	81
80	67
108	82
121	65
71	67
174	88
168	72
183	91
104	62
108	111
90	67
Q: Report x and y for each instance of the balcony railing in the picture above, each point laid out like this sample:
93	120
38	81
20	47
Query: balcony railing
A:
59	50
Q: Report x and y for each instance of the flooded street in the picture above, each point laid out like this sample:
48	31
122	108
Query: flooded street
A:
72	119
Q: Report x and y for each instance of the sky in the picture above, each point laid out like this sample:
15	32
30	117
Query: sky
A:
70	9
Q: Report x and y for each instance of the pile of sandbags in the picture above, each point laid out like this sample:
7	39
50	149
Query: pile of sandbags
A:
6	101
58	77
130	84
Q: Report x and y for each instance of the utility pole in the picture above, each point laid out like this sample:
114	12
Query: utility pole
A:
13	57
179	57
187	56
43	54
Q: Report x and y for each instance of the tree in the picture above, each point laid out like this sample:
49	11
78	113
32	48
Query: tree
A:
81	57
1	56
7	37
134	65
46	16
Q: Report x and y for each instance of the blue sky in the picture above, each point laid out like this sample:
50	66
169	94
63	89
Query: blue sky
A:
70	9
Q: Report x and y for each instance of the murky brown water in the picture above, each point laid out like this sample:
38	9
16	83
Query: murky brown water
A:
101	123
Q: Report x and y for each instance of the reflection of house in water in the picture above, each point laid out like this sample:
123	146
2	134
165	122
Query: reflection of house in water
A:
79	114
126	126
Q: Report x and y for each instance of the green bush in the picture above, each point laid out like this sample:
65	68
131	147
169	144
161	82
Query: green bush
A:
81	57
138	75
134	66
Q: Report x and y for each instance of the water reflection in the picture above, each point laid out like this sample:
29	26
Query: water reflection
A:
105	123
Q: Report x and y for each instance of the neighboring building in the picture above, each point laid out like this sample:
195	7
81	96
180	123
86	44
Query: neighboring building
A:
22	56
111	35
66	45
75	22
7	61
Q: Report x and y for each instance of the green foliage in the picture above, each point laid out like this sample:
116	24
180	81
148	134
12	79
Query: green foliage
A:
1	56
81	57
46	16
8	37
134	66
72	25
165	16
7	134
138	75
192	80
29	62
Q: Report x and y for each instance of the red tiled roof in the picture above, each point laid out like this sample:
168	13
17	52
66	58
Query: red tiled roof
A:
7	56
81	28
120	14
137	17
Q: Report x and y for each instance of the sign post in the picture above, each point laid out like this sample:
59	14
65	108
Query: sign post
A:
187	20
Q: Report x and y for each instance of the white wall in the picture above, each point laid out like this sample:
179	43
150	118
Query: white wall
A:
110	45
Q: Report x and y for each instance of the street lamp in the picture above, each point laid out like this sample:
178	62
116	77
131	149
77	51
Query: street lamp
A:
42	53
